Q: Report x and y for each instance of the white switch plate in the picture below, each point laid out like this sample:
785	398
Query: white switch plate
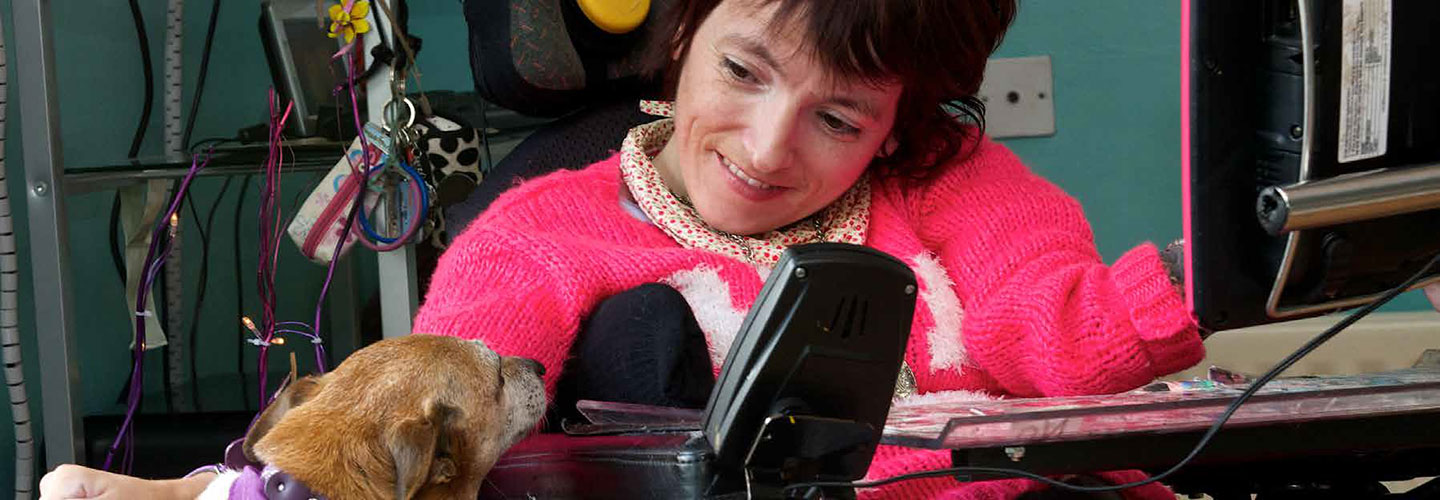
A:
1019	97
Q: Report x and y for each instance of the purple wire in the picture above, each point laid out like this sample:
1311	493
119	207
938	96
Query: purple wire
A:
295	323
158	267
264	252
316	341
130	452
320	356
264	274
270	248
355	207
269	240
150	271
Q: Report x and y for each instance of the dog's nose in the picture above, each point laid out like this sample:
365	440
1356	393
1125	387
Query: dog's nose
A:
533	365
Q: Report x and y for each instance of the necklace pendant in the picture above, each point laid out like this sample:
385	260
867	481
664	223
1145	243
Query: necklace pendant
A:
905	383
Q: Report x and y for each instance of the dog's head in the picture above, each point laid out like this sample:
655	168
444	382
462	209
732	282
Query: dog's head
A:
414	417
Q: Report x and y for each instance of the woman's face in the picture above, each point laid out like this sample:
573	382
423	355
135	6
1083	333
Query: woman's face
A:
764	134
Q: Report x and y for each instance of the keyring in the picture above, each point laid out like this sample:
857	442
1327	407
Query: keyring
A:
390	113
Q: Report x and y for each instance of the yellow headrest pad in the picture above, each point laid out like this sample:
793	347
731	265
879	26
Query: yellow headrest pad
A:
615	16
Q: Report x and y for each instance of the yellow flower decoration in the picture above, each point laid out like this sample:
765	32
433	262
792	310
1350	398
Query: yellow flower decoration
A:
349	23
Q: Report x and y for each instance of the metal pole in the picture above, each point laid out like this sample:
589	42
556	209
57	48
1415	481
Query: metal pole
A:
63	434
399	294
1349	198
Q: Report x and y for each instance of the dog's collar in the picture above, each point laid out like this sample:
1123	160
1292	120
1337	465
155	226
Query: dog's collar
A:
262	481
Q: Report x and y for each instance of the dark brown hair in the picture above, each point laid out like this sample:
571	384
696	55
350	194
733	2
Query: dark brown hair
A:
936	49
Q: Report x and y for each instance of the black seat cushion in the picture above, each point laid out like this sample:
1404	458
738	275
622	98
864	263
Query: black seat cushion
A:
572	142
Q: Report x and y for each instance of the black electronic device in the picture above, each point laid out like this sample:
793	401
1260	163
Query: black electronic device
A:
298	51
1311	139
809	378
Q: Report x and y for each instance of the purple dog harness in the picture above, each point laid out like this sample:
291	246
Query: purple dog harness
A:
258	481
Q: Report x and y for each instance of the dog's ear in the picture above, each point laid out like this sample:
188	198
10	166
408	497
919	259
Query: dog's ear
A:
290	397
422	450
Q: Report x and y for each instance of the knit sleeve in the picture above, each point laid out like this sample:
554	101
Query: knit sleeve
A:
496	285
1043	315
891	461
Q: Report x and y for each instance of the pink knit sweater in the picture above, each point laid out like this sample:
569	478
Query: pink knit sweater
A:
1014	299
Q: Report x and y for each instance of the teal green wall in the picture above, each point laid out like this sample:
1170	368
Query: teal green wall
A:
1117	112
1115	148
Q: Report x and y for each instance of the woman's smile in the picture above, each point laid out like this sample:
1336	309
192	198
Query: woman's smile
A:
746	185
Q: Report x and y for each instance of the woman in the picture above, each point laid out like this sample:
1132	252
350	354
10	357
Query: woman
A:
799	121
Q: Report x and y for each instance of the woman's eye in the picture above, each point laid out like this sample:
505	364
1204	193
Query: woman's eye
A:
837	125
736	71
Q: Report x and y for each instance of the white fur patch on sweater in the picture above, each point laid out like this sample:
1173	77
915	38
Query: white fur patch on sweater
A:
219	488
943	398
709	298
938	292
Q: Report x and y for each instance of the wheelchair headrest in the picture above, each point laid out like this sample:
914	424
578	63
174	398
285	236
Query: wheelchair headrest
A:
550	57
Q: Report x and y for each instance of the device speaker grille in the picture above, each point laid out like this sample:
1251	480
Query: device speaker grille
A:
849	318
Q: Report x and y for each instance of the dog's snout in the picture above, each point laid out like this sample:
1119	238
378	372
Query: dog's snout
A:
534	366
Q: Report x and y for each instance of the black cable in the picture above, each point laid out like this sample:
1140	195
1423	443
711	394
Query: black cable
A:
204	69
240	296
205	232
116	256
303	194
1204	440
144	44
199	301
136	139
211	142
139	136
380	54
383	43
485	135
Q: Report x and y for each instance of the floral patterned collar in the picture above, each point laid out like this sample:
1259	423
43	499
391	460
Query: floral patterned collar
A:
843	221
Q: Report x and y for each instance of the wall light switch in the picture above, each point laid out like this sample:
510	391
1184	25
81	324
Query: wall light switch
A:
1019	97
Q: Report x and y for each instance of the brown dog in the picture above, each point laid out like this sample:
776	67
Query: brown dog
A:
415	417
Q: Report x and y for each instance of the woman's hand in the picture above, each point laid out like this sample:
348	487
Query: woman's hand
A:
1432	292
76	482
